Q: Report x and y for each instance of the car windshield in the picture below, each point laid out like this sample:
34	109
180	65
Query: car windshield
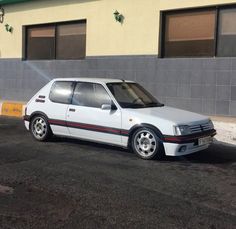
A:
132	95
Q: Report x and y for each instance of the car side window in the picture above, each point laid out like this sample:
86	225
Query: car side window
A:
61	92
102	96
90	95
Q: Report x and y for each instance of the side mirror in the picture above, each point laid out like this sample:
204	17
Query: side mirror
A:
111	107
106	107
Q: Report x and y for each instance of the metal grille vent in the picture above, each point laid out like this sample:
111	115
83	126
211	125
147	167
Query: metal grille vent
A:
201	127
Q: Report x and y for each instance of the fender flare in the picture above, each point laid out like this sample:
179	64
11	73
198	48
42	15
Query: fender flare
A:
38	113
141	125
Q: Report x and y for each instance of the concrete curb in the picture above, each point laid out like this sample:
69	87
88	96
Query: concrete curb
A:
12	109
225	126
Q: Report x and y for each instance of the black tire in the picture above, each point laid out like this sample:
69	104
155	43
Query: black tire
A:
40	128
146	144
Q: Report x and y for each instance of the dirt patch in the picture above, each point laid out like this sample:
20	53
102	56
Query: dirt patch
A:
226	132
6	190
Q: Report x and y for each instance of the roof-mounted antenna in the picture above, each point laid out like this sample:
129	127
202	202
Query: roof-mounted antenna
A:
123	80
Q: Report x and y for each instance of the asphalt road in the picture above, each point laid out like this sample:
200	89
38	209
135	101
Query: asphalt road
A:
73	184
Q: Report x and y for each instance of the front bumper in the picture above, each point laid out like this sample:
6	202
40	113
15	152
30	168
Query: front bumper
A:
174	144
172	149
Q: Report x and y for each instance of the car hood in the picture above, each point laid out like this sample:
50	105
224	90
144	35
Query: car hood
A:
171	114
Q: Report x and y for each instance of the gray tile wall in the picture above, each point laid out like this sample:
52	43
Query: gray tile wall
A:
204	85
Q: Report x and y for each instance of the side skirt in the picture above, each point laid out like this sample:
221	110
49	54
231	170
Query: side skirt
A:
94	141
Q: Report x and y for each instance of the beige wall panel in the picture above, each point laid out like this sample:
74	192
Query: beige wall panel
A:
137	36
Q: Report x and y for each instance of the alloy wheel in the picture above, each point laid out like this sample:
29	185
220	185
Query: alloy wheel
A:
39	128
145	143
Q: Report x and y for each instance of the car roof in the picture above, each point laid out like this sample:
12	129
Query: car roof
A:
92	80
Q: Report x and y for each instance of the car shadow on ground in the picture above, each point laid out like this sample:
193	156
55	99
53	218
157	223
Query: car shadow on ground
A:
87	143
218	153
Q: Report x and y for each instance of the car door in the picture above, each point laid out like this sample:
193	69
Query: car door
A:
86	119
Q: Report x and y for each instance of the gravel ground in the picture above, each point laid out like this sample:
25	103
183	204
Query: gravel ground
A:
74	184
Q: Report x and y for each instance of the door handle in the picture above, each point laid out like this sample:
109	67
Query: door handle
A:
72	110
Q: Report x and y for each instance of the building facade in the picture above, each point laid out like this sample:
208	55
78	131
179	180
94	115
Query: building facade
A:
183	51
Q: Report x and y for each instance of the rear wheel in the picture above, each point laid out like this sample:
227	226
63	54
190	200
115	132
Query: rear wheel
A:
146	144
40	128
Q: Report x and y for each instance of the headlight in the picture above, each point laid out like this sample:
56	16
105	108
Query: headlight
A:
182	130
211	124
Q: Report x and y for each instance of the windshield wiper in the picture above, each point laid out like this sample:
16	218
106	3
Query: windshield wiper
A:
134	106
155	104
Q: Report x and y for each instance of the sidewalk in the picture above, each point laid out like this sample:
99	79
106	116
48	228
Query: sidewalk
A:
225	126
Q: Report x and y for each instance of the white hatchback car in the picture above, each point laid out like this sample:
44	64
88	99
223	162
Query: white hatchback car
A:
117	112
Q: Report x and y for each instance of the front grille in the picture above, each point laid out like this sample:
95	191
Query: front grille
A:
201	127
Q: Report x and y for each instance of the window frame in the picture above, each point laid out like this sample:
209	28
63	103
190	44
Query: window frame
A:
77	82
163	13
224	7
25	29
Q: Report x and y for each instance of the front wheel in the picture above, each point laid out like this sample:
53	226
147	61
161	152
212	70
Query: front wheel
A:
146	144
40	128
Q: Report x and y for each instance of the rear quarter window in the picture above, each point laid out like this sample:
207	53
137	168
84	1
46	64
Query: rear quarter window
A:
61	92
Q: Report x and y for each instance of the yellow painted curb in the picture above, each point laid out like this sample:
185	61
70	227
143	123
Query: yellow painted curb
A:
14	109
